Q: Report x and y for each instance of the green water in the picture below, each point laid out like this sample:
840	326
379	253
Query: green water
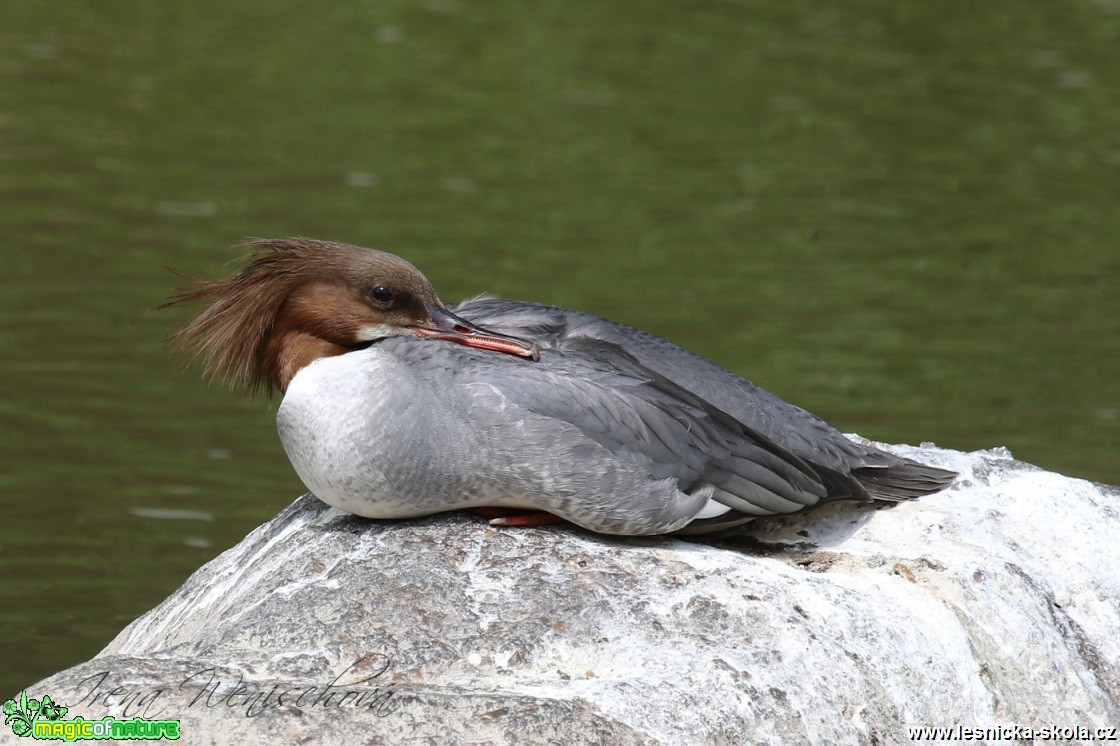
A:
902	216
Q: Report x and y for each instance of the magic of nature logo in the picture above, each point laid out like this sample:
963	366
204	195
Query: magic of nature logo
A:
45	720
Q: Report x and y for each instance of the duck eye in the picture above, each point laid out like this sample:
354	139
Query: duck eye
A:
381	294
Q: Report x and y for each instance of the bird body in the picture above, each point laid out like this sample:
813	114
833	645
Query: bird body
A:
396	406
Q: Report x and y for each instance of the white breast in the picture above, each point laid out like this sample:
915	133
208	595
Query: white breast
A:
340	429
373	435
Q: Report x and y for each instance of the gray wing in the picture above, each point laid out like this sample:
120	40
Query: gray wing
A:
787	425
801	433
643	418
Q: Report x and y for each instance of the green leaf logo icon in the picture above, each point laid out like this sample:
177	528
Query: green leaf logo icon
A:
23	714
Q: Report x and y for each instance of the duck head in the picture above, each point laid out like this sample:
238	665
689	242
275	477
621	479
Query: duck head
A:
300	299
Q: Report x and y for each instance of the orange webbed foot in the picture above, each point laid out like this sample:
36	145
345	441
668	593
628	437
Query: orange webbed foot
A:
512	517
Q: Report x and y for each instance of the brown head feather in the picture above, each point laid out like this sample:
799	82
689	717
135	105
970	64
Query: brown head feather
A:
231	336
300	299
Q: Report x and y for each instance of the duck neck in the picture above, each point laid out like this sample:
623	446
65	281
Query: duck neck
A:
288	352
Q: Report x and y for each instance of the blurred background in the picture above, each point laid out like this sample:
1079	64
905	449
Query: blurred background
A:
904	217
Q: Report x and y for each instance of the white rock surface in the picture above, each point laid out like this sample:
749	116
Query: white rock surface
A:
994	603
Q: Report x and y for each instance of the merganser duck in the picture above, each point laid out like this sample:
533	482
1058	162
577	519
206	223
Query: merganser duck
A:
397	406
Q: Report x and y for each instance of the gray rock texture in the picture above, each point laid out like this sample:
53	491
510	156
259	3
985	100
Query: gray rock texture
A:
994	603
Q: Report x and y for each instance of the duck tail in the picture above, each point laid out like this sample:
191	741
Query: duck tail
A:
903	481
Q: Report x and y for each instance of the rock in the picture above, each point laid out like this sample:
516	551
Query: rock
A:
991	604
